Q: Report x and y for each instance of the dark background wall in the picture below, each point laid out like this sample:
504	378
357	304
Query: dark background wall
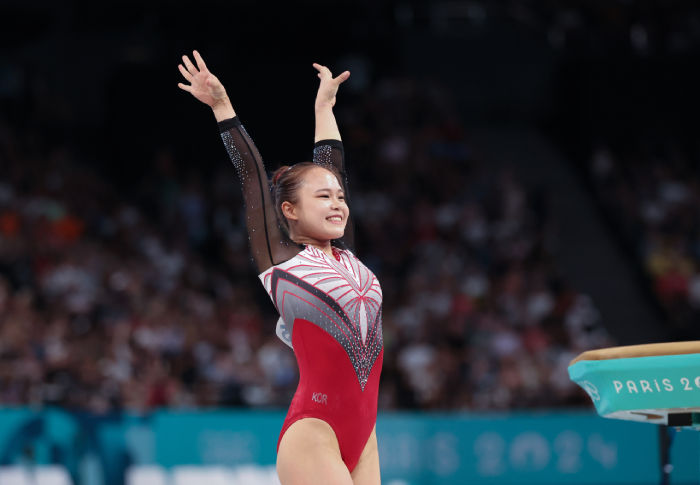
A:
577	69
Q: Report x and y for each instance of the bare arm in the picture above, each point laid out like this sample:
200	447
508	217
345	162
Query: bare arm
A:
326	126
328	147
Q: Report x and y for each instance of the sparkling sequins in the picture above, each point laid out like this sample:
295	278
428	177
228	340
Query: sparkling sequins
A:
322	155
233	152
343	298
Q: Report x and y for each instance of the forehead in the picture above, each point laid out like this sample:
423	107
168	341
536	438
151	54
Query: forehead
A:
320	178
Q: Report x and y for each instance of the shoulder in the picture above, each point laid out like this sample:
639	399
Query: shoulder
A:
266	276
305	254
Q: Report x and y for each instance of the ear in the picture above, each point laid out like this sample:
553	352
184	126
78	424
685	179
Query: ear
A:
289	210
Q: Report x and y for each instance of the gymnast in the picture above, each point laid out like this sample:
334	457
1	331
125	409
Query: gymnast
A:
329	302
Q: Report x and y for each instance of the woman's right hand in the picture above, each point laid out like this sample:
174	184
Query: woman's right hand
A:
203	84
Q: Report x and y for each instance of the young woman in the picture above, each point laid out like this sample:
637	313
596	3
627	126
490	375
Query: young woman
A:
329	302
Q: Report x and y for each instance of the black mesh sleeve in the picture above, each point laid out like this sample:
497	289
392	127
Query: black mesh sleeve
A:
331	152
269	244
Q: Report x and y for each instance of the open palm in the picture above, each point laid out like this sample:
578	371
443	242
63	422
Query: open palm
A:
204	86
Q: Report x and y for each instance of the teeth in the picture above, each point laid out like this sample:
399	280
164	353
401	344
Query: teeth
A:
335	218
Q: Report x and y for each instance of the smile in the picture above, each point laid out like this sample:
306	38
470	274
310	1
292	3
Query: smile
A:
335	219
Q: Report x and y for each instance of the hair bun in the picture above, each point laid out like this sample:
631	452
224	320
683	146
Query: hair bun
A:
278	173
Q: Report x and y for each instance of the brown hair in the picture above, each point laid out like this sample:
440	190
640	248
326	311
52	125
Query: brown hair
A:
286	182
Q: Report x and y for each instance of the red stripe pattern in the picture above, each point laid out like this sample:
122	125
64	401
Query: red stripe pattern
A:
340	295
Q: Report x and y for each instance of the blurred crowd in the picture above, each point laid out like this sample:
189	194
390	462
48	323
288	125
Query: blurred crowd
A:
639	27
110	302
650	189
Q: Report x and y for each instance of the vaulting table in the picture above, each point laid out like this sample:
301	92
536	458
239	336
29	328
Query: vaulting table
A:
654	383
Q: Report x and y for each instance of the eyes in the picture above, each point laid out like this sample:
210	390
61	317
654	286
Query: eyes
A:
327	196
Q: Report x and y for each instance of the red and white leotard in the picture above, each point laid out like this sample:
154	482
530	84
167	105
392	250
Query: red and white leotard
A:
330	307
330	311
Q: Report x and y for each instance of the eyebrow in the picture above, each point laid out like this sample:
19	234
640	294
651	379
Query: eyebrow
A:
327	189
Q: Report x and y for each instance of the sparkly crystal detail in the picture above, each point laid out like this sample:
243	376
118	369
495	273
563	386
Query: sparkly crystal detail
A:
233	152
322	155
341	297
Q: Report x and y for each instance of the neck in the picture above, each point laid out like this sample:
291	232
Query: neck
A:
324	246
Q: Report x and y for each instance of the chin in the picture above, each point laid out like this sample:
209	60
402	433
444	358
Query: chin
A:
336	235
332	232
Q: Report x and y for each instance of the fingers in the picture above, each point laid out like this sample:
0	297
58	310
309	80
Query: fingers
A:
188	64
323	71
184	87
342	77
185	73
200	62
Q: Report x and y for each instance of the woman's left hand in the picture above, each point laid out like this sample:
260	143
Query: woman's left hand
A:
328	87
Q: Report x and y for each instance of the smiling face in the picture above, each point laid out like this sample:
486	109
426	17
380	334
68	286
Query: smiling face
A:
320	212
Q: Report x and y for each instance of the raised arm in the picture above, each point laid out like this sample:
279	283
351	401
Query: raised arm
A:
268	243
326	127
328	147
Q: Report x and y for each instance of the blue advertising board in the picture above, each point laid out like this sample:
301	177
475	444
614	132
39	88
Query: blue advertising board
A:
414	449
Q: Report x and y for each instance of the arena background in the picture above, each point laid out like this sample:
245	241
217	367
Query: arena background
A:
525	180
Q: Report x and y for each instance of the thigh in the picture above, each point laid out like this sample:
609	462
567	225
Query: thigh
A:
366	472
309	455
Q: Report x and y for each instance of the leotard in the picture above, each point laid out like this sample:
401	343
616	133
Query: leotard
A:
330	307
